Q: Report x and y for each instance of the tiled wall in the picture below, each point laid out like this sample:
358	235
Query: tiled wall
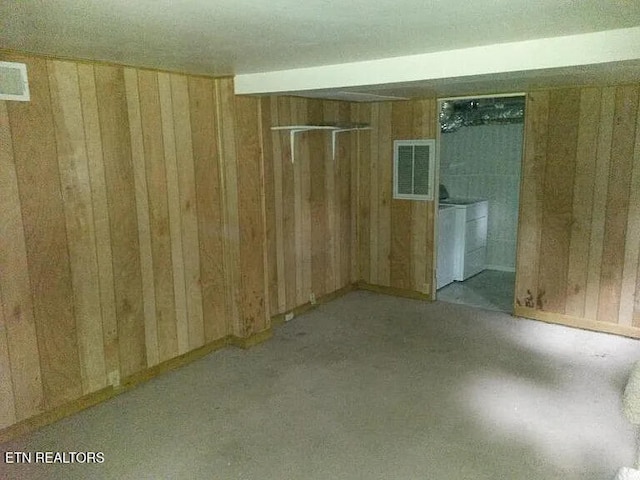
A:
484	162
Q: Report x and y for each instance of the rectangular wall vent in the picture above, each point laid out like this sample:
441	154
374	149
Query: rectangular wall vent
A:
13	82
413	169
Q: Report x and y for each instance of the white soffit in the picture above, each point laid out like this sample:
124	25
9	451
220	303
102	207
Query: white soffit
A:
548	53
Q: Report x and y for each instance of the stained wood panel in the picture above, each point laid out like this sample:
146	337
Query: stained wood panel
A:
396	243
125	247
34	147
132	229
81	236
209	206
15	284
578	213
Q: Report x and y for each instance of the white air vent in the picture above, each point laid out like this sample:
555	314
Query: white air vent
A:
13	82
413	167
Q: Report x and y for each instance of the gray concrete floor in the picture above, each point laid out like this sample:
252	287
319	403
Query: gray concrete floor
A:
369	387
490	289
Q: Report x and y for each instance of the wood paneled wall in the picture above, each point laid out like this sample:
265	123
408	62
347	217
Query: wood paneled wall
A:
311	234
395	237
579	231
131	227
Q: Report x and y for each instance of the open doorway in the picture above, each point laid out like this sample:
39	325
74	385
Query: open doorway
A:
481	143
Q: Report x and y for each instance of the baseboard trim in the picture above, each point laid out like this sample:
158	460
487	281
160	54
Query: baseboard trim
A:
576	322
40	420
393	291
500	268
281	318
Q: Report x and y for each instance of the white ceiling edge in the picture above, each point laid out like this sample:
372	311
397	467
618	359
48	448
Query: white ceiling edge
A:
557	52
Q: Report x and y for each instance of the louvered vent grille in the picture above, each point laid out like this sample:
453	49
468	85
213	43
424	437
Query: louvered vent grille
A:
13	82
413	169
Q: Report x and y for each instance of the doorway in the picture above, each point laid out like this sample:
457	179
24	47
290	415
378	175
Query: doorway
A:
479	169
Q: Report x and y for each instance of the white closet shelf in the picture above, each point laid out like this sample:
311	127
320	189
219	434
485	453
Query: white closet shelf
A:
334	129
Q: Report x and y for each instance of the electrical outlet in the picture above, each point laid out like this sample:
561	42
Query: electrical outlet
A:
288	317
114	378
312	298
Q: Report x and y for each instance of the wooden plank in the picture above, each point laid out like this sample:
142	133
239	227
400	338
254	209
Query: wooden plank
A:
305	191
142	209
288	209
374	203
297	116
270	205
531	198
630	288
22	341
81	236
564	114
333	249
157	188
278	189
618	192
364	194
93	141
401	260
596	241
43	216
343	179
209	206
582	201
125	247
228	159
354	151
188	209
7	402
385	185
173	205
318	204
252	230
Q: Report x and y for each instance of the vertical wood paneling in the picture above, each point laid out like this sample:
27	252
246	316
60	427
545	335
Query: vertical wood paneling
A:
364	193
119	175
81	236
631	267
93	139
251	215
7	403
173	204
595	130
46	239
531	199
385	189
209	206
395	236
270	203
22	342
157	187
278	197
132	227
618	193
401	236
582	201
343	164
142	209
564	115
603	156
318	203
228	156
188	209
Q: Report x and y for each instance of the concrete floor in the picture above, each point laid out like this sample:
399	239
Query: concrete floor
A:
490	289
369	387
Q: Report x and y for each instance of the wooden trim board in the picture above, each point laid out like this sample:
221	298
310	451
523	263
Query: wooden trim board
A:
575	322
61	411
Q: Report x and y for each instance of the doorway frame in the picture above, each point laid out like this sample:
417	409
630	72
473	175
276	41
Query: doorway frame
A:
436	202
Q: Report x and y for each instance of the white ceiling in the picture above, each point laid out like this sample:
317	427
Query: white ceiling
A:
230	37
